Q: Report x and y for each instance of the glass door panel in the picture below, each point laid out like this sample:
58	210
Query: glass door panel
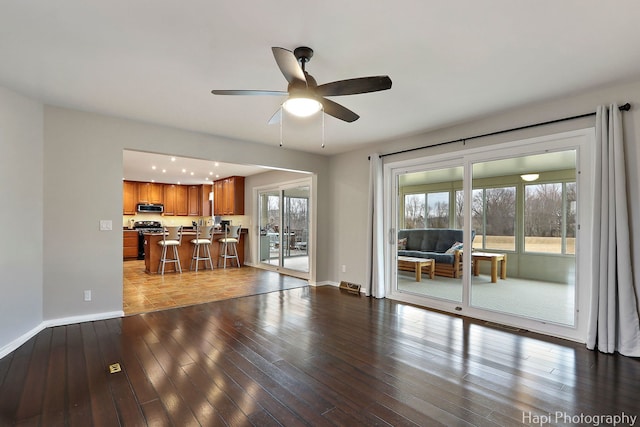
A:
430	217
523	216
269	211
295	232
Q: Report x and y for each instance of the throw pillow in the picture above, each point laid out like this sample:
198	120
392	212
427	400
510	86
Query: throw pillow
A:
455	247
402	244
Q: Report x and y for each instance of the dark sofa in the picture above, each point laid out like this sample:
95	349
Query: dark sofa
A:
433	243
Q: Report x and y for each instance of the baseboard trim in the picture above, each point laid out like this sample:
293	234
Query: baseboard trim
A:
13	345
81	319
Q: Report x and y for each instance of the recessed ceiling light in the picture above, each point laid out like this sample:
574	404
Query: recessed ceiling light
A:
206	178
153	167
173	159
184	171
210	173
164	171
153	180
217	176
178	182
216	164
191	173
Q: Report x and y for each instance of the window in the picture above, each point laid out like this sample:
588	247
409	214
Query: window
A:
550	218
414	206
428	210
493	216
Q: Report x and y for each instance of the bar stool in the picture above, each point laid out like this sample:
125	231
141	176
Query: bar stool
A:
203	238
229	242
172	237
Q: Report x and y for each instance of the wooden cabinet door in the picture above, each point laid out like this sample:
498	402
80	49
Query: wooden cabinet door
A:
130	244
236	198
156	193
194	200
170	194
217	198
205	203
129	197
144	192
150	192
182	200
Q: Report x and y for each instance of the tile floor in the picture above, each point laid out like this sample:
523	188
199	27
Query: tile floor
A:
150	292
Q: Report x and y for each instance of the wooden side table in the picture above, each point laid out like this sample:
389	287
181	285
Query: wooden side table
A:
413	263
494	259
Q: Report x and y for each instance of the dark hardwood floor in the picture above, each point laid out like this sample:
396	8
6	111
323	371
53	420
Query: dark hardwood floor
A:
307	356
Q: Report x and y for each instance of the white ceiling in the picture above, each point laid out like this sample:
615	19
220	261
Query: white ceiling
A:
152	167
450	61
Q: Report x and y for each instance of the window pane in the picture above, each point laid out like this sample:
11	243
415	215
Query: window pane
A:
477	217
571	217
459	213
543	218
500	218
414	211
438	210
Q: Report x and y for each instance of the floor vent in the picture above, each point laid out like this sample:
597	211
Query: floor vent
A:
505	327
350	287
114	368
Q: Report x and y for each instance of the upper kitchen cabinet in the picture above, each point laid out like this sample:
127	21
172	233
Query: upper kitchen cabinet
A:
182	200
170	199
229	196
150	192
129	197
194	200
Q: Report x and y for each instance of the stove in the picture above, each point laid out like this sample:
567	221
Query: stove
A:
146	227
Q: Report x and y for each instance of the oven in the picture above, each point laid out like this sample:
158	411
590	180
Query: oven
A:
146	227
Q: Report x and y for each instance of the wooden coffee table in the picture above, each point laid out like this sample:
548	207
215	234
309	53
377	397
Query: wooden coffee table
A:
494	259
413	263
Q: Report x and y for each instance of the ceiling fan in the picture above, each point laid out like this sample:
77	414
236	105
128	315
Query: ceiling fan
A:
305	96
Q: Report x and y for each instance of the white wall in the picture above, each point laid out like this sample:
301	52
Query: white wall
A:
21	210
83	184
350	172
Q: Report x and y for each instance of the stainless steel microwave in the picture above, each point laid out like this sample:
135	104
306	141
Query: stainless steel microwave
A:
150	208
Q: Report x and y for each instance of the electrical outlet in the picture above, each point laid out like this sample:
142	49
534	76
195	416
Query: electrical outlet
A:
344	268
87	295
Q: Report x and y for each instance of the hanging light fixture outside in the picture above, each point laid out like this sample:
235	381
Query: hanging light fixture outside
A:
302	107
530	177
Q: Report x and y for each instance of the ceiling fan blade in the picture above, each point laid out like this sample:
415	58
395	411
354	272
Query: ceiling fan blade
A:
338	111
277	116
249	92
354	86
288	64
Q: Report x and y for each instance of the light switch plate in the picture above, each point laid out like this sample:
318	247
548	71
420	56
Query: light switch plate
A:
106	225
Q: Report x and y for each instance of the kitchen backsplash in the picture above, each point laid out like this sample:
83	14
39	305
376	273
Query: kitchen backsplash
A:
182	220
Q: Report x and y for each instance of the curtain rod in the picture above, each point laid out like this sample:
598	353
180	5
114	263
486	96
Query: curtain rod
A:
625	107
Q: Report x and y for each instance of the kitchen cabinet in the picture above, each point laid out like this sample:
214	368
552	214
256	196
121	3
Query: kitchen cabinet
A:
150	192
194	200
229	196
182	200
129	244
205	202
170	199
129	197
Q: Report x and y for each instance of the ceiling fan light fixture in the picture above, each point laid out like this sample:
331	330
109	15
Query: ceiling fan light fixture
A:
530	177
302	107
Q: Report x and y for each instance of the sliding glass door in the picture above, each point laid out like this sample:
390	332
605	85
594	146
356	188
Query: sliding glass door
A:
284	221
503	228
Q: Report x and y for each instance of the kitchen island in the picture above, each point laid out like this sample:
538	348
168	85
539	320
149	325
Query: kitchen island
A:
152	251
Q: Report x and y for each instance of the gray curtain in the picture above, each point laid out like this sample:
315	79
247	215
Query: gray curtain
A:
375	275
614	323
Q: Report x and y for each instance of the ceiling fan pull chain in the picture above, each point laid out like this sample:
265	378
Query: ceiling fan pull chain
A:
322	126
281	120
